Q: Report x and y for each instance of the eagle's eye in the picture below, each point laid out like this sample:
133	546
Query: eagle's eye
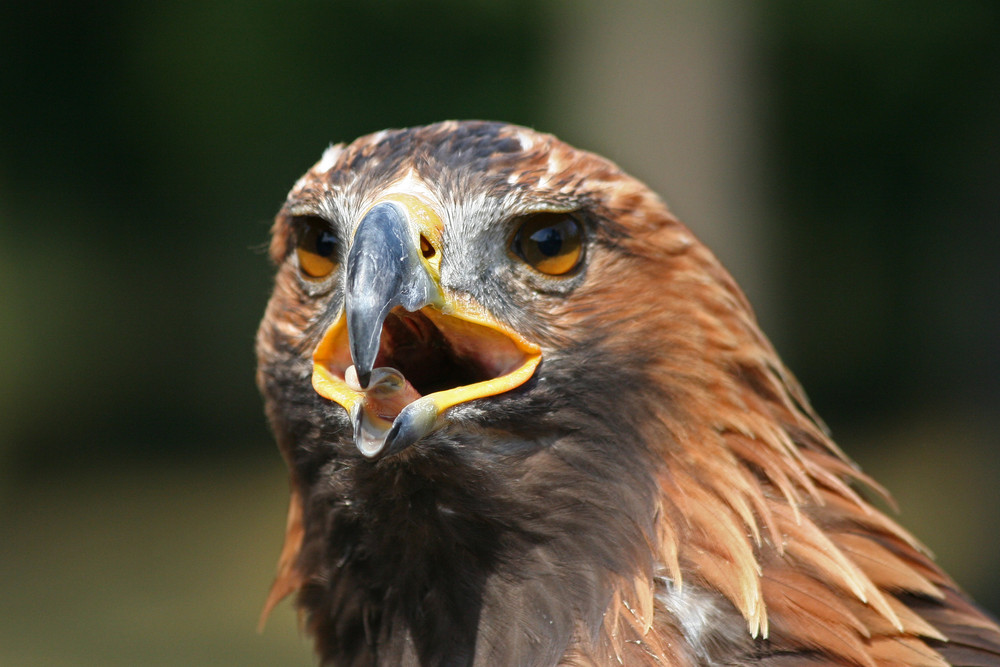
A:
316	248
550	242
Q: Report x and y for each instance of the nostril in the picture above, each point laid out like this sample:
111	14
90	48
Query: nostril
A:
426	249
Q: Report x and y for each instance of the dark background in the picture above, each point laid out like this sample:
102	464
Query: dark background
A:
843	160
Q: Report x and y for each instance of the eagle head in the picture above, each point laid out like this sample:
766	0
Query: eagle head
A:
530	420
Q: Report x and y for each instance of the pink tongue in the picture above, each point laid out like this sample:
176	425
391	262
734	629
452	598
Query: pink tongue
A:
387	394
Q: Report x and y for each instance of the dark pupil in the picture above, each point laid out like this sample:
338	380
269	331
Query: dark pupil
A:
549	241
326	243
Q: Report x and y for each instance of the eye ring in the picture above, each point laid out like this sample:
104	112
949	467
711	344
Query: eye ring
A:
550	243
316	248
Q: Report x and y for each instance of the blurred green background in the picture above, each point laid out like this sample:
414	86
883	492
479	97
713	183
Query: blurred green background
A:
842	159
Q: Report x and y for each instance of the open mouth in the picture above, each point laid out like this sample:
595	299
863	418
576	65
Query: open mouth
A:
427	362
432	361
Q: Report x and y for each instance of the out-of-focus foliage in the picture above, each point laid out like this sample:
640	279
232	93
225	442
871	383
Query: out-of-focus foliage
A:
885	126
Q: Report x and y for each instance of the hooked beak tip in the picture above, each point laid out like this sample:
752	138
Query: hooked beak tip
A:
375	438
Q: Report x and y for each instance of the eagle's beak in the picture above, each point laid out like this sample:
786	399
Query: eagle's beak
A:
402	351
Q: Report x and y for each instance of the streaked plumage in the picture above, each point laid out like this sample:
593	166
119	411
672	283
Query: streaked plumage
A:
647	486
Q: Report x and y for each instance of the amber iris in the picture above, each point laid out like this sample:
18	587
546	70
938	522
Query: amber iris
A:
316	248
551	243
